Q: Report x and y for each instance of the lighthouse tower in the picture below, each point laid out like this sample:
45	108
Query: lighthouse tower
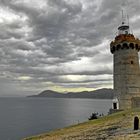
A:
125	48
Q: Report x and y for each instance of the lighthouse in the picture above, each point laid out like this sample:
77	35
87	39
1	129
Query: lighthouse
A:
126	73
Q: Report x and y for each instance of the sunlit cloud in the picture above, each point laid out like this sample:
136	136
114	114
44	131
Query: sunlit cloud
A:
24	78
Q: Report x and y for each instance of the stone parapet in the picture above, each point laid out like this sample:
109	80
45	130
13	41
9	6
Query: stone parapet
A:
125	41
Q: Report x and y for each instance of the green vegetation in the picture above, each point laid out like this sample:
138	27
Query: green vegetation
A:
116	126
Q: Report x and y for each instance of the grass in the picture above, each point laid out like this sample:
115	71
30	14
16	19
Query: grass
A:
99	128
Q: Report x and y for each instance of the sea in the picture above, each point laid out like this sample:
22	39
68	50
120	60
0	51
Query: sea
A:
24	117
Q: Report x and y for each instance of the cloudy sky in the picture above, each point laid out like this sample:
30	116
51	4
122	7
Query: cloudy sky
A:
60	45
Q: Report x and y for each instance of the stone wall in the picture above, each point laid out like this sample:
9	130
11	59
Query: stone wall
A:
126	70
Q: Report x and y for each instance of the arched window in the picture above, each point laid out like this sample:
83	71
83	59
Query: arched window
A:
137	46
125	45
113	48
118	47
131	45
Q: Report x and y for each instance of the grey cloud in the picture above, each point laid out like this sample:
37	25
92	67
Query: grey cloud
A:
89	85
50	21
42	41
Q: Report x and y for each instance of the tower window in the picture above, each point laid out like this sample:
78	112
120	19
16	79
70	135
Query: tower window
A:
132	62
132	45
126	32
118	47
125	45
137	46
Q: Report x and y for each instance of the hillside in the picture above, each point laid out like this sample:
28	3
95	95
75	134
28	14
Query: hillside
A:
97	94
118	126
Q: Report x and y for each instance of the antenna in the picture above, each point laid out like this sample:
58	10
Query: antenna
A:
128	18
122	13
123	17
124	27
124	7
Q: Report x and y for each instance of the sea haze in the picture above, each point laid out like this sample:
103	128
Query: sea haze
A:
23	117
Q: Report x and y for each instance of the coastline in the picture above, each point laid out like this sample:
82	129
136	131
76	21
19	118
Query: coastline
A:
117	126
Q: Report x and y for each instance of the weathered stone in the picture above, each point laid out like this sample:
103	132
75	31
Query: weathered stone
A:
125	49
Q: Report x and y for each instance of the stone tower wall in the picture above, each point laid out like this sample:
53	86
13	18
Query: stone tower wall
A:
126	75
126	70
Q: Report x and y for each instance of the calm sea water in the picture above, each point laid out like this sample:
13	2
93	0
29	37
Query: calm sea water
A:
22	117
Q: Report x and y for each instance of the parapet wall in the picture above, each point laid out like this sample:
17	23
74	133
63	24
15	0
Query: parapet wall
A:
125	42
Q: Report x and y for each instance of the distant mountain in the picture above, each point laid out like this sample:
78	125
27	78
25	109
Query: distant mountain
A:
96	94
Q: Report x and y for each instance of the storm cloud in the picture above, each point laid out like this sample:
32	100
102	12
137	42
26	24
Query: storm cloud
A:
59	44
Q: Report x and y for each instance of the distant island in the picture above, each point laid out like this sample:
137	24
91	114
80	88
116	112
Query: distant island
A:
96	94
